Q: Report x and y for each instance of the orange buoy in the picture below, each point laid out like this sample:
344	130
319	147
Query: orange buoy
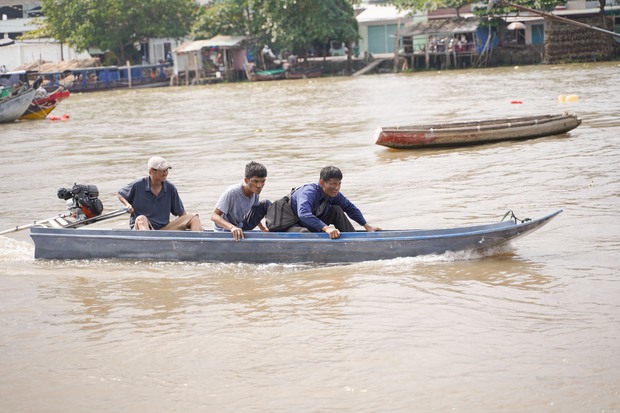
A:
516	102
568	98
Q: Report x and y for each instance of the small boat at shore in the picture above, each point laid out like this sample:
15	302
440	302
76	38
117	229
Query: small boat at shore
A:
275	247
303	72
475	132
263	75
43	106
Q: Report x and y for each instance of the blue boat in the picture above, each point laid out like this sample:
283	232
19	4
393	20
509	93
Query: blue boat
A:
92	79
275	247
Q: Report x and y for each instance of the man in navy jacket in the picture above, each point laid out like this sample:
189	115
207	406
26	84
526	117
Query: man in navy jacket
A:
321	207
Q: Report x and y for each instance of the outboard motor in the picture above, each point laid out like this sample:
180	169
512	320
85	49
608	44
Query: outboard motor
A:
82	200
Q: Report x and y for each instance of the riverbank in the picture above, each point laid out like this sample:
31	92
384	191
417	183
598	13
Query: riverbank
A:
511	55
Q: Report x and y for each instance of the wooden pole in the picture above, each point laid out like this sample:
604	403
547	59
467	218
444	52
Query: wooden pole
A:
396	44
427	57
129	73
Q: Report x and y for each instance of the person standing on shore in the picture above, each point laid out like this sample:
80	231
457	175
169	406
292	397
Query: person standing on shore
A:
152	199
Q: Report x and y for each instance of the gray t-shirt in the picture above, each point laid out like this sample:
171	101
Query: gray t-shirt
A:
235	205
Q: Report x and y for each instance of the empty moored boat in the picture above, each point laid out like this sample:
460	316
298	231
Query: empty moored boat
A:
475	132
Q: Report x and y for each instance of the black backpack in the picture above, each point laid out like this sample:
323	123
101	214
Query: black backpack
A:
280	215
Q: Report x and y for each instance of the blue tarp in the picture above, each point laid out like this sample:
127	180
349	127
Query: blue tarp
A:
482	33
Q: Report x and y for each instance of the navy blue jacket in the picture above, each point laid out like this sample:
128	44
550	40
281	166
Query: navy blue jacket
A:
307	199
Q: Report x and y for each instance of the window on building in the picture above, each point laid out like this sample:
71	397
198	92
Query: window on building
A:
538	34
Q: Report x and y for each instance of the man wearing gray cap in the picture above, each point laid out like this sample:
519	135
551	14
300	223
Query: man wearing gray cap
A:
152	199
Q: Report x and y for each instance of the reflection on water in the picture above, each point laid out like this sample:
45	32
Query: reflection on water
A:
157	305
506	270
156	302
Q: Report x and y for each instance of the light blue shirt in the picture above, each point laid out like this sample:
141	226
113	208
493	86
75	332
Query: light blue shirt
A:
235	205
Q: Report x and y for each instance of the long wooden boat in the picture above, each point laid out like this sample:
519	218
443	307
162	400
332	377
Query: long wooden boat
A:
40	108
274	247
303	72
103	78
262	75
12	107
475	132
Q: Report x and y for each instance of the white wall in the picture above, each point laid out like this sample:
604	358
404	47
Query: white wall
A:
22	53
16	25
156	48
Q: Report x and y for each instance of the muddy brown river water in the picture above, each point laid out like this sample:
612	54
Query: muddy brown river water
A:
534	328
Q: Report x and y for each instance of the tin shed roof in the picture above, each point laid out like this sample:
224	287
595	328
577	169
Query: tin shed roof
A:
378	13
442	26
217	41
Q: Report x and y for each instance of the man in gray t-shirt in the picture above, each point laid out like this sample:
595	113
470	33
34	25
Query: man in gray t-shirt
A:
239	208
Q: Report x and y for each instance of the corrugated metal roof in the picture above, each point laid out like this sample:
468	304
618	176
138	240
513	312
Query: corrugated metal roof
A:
191	46
379	13
217	41
442	26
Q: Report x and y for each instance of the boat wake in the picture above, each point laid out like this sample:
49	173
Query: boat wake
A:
447	257
14	250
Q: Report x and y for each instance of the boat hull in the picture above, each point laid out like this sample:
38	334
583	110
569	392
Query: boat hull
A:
264	247
39	109
34	113
475	132
13	107
304	73
265	75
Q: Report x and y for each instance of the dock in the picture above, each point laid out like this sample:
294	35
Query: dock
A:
369	67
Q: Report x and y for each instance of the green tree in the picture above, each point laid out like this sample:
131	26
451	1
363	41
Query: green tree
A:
284	24
114	25
296	24
229	17
499	7
430	5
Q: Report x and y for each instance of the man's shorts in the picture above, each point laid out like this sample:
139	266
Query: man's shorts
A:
179	223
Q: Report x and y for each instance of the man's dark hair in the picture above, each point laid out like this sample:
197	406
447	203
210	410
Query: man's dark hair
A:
255	169
330	172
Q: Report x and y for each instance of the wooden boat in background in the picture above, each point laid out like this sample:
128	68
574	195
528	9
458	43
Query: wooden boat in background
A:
103	78
40	108
303	72
475	132
275	247
262	75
